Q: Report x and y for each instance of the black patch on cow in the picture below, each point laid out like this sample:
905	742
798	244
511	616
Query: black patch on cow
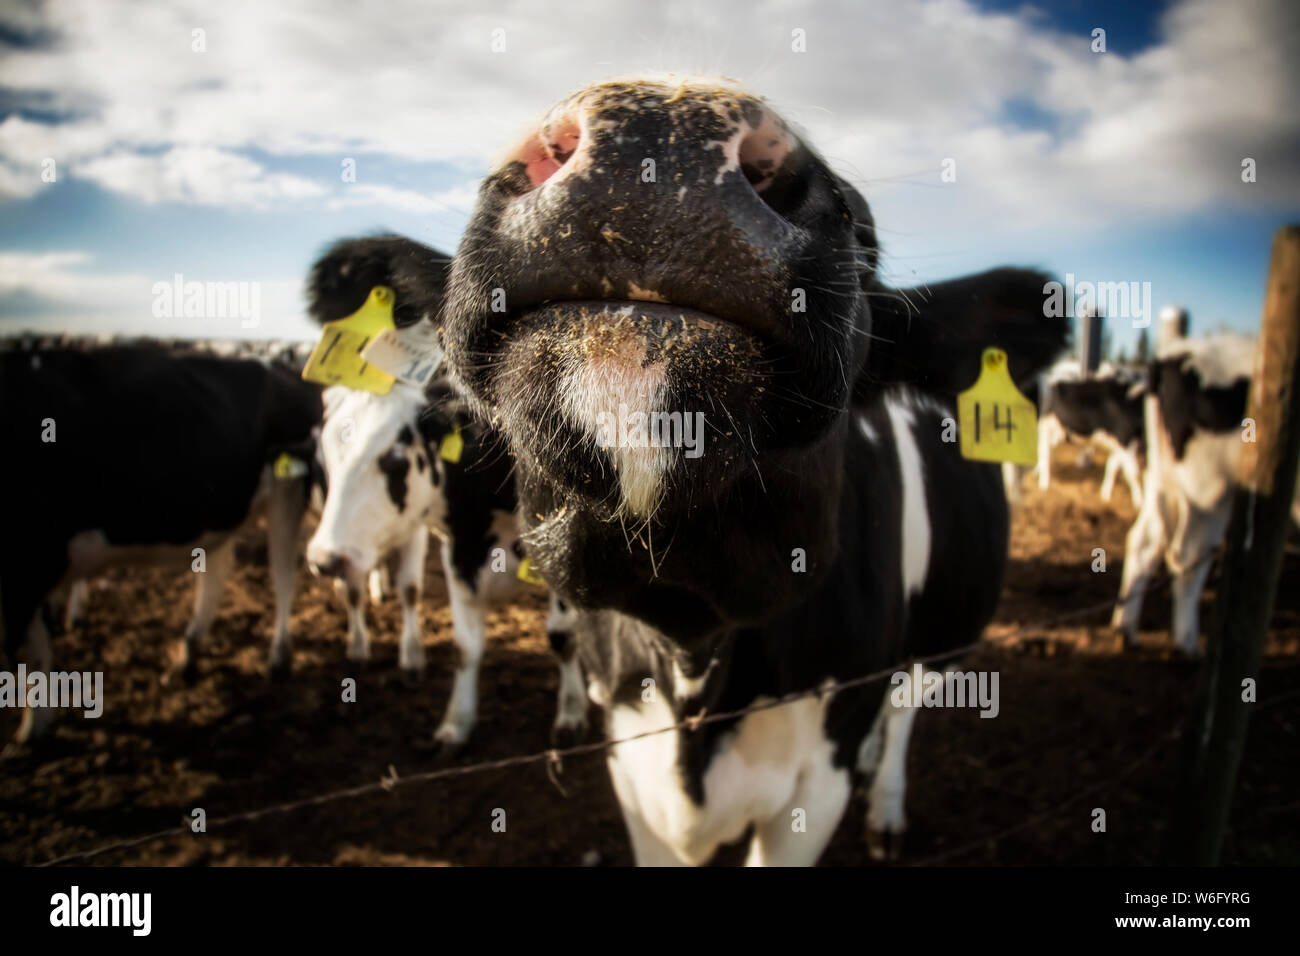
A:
1098	405
155	447
1187	406
395	466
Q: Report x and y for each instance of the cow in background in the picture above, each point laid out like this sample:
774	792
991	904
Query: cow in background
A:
389	485
137	454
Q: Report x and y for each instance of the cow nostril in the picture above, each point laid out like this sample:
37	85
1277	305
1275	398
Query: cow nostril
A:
764	153
561	138
333	565
545	152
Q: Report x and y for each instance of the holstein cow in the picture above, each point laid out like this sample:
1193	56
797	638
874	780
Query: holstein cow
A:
137	454
389	486
1106	409
827	529
1195	405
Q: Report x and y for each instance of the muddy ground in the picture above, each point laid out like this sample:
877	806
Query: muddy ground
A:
1082	725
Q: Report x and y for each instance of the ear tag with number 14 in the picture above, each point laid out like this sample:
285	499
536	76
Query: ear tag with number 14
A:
995	422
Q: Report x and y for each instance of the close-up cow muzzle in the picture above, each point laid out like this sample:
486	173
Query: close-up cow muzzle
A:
657	248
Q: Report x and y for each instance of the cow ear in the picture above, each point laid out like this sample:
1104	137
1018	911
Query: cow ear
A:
933	336
342	278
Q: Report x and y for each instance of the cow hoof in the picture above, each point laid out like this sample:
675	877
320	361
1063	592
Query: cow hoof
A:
446	751
180	666
885	845
281	670
14	750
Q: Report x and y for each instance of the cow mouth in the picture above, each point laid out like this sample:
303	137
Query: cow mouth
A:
664	318
665	322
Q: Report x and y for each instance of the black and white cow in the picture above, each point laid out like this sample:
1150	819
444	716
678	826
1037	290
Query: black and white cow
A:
389	486
1107	409
1195	408
825	532
138	454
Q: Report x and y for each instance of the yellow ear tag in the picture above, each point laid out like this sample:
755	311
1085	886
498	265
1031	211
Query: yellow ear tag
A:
996	422
286	466
526	573
451	446
337	358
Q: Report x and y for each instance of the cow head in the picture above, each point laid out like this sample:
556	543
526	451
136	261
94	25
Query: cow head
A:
382	481
668	302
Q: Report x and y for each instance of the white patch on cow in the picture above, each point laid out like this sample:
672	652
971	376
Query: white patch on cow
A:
592	390
469	631
494	586
867	430
90	552
359	519
771	761
886	819
685	687
915	518
571	701
1219	359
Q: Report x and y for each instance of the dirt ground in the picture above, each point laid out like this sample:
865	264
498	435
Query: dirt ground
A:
1082	725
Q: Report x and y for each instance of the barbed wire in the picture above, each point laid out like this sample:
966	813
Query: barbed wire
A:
554	757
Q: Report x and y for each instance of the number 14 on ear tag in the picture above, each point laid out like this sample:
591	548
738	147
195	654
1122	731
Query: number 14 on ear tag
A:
996	422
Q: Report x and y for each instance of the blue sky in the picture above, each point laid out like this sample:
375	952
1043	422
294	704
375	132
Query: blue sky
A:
224	163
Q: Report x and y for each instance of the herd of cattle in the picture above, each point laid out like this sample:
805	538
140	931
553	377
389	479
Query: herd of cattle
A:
828	531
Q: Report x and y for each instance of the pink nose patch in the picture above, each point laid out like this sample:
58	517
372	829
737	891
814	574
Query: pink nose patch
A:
546	151
764	150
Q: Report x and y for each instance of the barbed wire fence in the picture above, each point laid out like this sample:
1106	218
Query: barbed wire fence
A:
553	758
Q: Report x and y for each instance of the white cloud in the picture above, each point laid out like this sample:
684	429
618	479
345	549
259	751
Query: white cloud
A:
195	174
458	200
54	291
887	92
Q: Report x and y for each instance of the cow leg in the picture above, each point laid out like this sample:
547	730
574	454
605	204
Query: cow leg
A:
886	820
821	795
648	849
1132	475
469	627
1201	535
571	698
378	584
1012	479
36	721
1046	441
410	585
349	590
1143	550
78	594
1108	479
209	585
284	516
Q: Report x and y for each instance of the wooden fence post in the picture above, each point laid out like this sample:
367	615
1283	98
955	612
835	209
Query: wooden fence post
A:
1251	567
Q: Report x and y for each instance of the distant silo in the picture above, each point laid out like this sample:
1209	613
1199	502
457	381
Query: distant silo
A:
1173	325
